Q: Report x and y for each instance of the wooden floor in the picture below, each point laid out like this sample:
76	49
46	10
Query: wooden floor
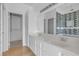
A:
16	49
17	43
19	51
0	53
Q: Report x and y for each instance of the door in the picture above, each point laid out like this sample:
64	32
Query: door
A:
15	27
44	25
50	26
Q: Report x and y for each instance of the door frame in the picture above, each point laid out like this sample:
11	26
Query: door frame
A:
9	21
2	28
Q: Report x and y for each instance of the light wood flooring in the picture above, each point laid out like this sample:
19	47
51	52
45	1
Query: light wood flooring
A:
17	43
19	51
16	49
0	53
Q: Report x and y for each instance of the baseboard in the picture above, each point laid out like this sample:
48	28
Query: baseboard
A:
24	44
4	50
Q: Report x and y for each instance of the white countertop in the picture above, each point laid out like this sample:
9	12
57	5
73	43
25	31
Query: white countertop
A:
69	43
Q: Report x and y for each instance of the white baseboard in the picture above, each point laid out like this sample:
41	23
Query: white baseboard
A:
24	44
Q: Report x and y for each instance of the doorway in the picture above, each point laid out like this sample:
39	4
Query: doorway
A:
51	26
15	30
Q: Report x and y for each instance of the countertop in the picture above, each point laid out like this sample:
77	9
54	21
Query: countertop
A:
69	43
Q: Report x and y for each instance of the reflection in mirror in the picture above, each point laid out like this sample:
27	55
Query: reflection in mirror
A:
67	24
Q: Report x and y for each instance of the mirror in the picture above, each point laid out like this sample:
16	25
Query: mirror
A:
67	23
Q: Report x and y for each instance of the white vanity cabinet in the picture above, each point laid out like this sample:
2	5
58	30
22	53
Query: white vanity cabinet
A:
50	50
68	53
42	48
37	47
53	50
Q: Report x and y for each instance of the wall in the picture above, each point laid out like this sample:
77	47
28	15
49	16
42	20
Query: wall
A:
40	23
32	23
50	14
36	22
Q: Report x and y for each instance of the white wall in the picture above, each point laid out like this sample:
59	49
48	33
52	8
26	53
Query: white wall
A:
32	27
50	14
36	22
40	23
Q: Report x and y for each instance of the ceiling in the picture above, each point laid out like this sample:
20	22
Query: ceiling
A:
38	6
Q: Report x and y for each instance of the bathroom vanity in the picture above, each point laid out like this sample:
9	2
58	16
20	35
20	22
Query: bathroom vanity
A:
54	45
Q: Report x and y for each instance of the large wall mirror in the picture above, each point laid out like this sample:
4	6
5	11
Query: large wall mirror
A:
67	24
65	20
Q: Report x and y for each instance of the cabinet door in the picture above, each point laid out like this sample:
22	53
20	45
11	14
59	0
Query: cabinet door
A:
37	45
67	53
32	43
50	50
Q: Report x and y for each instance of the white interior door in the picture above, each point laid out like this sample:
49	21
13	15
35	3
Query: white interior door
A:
15	27
50	26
